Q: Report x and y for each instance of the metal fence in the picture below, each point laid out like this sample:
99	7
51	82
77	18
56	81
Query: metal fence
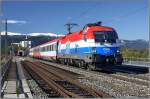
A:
4	69
137	61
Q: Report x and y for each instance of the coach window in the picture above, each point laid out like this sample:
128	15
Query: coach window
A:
42	49
47	47
55	46
52	47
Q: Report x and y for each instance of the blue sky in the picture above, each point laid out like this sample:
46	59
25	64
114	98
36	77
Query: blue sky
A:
128	17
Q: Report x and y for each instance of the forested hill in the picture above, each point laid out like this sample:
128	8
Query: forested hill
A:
135	44
36	40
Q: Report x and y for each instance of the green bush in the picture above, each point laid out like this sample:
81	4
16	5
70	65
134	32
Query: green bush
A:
134	53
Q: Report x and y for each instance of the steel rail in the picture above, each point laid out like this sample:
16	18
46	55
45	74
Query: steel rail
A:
92	92
50	82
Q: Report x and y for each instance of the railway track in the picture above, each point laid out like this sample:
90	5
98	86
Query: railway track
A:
115	73
43	89
61	85
128	85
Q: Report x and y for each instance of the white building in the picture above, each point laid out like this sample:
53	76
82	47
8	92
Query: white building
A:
25	44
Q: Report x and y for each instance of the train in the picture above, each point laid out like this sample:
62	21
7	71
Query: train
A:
92	47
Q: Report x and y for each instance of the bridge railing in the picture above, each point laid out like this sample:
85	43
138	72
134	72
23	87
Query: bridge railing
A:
137	61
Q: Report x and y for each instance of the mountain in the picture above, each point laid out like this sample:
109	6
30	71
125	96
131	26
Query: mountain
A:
35	40
40	38
135	44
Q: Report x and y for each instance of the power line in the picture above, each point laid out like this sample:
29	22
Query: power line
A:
85	12
70	25
126	15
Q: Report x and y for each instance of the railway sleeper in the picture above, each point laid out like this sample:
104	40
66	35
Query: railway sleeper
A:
74	88
51	93
85	90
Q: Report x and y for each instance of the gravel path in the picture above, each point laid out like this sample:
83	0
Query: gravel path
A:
115	87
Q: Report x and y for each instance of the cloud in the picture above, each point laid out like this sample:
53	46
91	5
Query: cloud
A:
46	34
32	34
10	33
16	22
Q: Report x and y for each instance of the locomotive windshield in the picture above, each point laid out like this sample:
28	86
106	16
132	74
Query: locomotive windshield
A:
105	36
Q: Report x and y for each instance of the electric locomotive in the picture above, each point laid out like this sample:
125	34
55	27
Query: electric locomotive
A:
90	47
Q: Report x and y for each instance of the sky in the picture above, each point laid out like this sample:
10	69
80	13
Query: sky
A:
128	17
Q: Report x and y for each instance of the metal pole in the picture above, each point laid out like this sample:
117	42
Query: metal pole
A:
0	41
149	34
5	38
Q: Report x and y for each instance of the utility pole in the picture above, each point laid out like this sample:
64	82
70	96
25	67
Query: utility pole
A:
149	45
5	38
0	39
70	26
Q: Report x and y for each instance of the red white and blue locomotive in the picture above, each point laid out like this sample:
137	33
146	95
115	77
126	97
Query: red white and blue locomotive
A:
90	48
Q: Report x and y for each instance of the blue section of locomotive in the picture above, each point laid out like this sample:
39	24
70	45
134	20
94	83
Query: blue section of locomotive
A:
106	55
91	50
99	55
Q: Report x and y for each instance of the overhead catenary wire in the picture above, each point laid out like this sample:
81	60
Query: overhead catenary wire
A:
70	24
126	15
85	12
112	19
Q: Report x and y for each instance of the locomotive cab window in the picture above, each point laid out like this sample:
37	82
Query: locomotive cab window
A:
105	36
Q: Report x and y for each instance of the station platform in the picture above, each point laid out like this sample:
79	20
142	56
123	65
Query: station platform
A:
15	85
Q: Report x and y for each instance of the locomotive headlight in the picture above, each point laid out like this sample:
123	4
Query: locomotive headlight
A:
118	51
94	49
